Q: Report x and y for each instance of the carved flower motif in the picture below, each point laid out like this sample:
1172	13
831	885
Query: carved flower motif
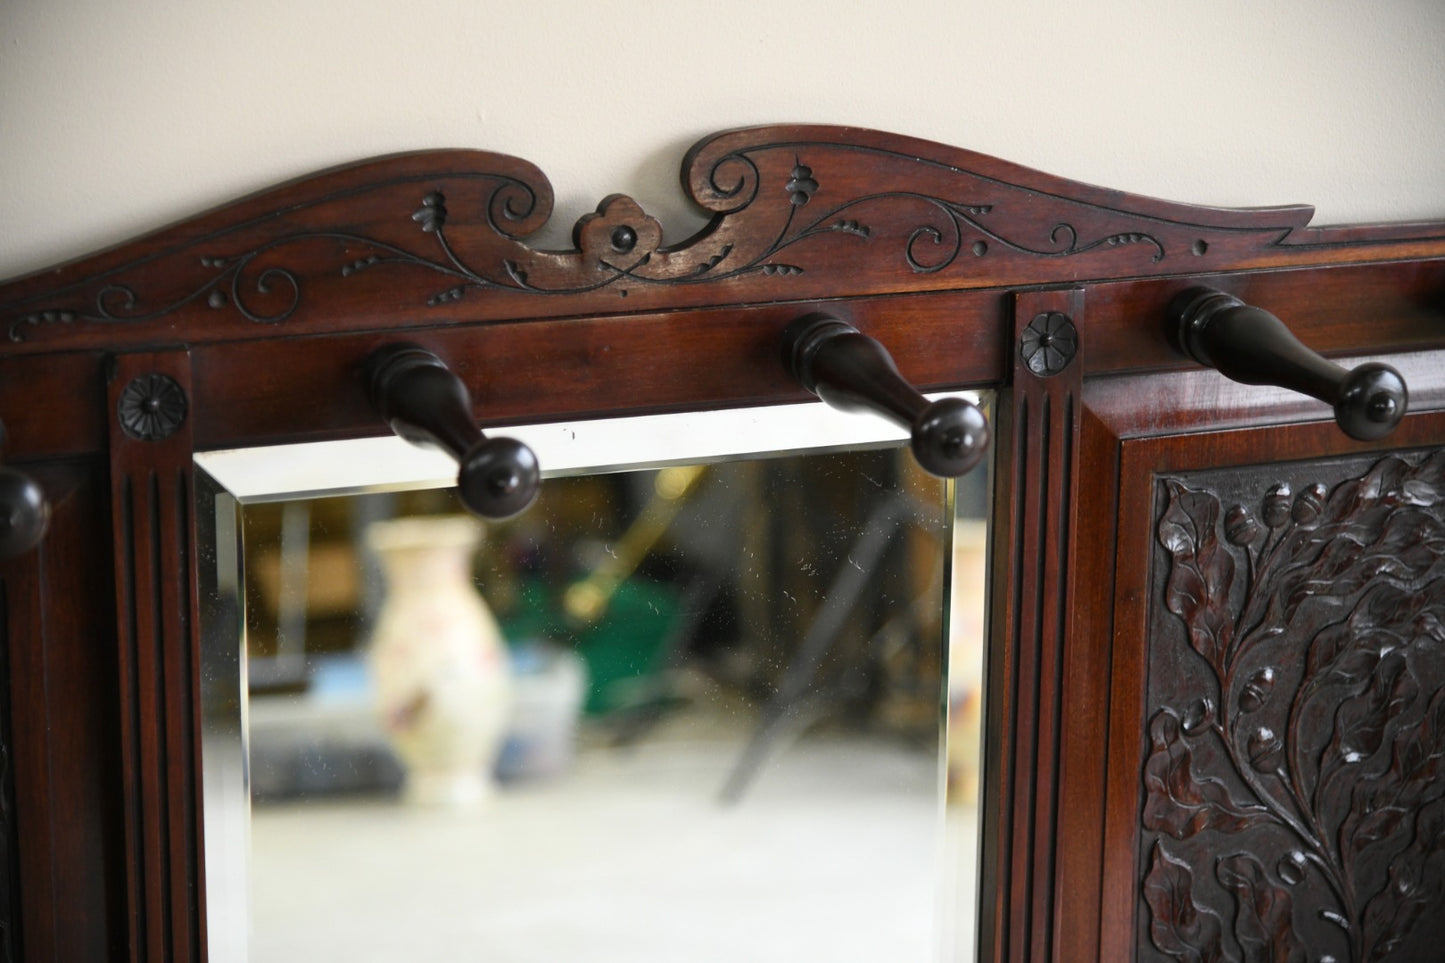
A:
801	186
619	235
1049	343
151	407
432	215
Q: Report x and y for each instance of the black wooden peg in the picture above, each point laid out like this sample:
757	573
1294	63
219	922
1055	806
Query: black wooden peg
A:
1252	346
24	511
853	372
426	404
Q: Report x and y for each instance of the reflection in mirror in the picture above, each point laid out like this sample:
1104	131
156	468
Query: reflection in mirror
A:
706	711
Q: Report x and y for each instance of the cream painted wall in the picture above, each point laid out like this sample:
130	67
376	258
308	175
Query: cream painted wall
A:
116	117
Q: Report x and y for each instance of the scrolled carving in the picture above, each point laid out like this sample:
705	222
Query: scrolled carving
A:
1299	792
259	266
798	212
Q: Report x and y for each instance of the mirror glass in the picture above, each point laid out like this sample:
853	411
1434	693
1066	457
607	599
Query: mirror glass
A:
715	696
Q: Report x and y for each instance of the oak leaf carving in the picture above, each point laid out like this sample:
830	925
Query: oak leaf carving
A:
1179	803
1202	573
1320	629
1264	912
1178	926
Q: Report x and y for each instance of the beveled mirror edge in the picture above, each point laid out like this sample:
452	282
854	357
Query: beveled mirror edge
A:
228	481
225	792
353	466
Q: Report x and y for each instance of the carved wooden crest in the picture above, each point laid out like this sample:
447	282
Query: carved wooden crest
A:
797	213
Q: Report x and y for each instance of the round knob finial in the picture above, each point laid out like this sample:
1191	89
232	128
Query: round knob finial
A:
24	513
950	437
499	478
1372	401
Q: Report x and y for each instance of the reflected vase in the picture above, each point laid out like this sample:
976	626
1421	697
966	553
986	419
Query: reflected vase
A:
438	660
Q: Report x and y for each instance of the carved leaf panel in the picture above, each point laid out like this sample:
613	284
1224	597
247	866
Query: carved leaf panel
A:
1296	697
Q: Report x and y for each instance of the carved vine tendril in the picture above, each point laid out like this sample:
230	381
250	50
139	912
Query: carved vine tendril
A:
231	284
264	292
1343	749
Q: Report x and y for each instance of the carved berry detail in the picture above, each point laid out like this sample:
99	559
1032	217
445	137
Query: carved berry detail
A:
801	186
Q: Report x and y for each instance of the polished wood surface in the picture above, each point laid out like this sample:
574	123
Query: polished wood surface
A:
252	325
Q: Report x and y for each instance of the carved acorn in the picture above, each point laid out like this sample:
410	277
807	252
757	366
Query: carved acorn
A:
1276	506
1240	528
1257	690
1266	749
1292	867
1199	716
1309	503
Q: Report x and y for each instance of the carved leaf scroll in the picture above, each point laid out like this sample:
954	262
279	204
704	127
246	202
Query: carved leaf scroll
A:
1308	744
798	212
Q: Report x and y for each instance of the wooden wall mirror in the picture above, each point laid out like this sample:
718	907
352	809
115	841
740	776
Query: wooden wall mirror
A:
1211	672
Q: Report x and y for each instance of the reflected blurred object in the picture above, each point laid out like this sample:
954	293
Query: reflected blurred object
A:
438	659
587	600
549	685
325	740
779	620
330	578
328	740
798	694
967	632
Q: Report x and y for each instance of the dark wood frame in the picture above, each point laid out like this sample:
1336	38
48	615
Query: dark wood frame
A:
261	313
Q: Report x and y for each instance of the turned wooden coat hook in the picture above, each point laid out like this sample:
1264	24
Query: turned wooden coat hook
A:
24	511
425	403
1252	346
853	372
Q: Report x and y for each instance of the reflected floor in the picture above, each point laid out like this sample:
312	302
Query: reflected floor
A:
832	853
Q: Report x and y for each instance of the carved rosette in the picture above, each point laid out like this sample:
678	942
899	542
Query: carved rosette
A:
1049	343
1294	785
152	407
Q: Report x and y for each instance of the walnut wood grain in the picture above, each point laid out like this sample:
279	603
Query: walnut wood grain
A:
59	627
1038	421
152	505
